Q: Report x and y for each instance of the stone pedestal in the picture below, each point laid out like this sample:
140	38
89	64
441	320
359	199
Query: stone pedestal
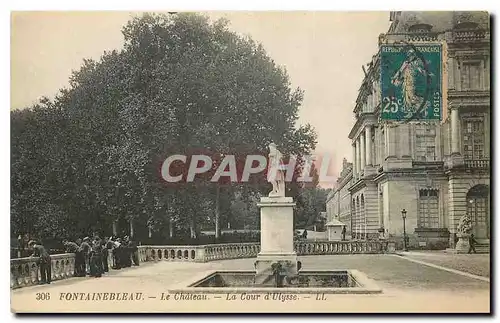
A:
276	238
462	245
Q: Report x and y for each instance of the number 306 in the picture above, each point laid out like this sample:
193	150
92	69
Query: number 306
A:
42	296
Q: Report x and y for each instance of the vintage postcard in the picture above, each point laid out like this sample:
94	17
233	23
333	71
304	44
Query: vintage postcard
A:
250	162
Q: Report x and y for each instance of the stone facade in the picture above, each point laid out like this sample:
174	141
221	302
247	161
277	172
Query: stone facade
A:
338	204
436	171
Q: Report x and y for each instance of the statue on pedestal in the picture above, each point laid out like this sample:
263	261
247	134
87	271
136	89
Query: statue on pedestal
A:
276	174
464	230
465	225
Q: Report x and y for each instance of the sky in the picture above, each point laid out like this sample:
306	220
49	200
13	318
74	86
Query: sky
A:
323	53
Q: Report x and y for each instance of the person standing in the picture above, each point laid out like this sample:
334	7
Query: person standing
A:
135	252
343	233
117	251
472	243
72	247
111	259
96	258
85	250
127	254
104	247
43	261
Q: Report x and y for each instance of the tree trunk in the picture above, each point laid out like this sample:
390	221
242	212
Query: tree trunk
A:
115	228
170	228
217	212
192	226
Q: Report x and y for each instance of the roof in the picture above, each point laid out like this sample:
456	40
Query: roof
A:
335	222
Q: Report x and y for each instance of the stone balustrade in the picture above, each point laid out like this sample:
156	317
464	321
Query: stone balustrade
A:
205	253
25	271
470	35
304	248
202	253
477	163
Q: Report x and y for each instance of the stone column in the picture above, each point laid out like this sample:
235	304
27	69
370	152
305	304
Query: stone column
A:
390	133
455	136
357	159
368	138
354	160
451	73
363	151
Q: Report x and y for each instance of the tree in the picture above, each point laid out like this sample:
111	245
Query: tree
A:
180	84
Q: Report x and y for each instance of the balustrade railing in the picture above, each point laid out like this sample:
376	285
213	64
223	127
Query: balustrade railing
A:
470	35
26	272
477	163
204	253
200	253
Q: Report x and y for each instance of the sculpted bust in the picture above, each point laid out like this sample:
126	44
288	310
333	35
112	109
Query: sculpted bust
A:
276	174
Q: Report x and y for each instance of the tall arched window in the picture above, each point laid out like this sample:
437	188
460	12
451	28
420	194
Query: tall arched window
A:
478	210
428	208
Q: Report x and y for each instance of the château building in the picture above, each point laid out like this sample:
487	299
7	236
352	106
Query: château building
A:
338	202
436	171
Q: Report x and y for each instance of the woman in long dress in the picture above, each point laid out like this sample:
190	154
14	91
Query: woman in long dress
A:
96	269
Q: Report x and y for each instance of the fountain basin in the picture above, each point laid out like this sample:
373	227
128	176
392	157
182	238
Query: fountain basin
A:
343	281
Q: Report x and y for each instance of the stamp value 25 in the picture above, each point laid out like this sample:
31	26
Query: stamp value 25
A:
411	82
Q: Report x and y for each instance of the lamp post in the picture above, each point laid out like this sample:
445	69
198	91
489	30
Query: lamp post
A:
403	215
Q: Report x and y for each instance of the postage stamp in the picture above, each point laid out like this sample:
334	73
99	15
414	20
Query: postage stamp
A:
411	82
242	162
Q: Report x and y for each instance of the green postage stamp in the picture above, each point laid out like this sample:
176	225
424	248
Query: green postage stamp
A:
411	82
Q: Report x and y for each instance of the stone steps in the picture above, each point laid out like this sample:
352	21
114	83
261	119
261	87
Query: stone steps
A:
480	248
483	248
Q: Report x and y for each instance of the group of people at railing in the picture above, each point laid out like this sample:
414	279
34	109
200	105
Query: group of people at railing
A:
93	256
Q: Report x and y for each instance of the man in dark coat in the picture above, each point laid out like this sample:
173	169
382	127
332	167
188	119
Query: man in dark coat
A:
85	250
43	261
72	247
127	254
472	243
135	252
104	246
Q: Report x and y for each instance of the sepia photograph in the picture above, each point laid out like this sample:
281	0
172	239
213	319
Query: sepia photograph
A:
250	162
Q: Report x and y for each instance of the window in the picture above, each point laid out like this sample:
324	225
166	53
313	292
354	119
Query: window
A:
425	144
473	138
471	75
428	209
420	28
